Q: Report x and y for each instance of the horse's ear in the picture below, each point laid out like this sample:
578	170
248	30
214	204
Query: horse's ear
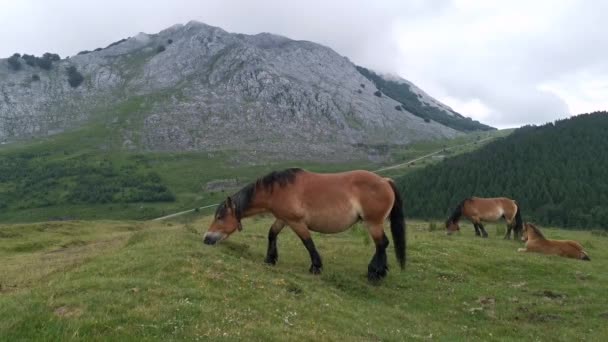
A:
230	203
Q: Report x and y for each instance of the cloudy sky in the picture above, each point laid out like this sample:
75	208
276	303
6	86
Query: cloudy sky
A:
505	63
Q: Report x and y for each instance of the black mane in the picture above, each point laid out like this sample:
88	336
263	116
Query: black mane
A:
457	213
242	198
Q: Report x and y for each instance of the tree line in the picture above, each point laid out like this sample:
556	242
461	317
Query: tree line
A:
558	174
31	181
411	102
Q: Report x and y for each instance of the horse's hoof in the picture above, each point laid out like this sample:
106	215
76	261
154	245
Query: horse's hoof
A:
485	236
315	269
271	260
375	276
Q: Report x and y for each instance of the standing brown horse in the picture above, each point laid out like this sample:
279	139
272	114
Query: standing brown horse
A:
324	203
536	242
478	209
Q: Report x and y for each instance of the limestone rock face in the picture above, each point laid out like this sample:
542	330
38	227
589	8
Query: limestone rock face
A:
196	87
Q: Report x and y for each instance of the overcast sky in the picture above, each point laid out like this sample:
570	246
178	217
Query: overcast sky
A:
505	63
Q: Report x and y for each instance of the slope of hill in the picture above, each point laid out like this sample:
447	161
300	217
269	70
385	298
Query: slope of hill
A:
558	173
196	87
68	176
148	281
416	101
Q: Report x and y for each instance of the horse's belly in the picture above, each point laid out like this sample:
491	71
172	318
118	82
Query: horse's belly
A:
494	215
332	222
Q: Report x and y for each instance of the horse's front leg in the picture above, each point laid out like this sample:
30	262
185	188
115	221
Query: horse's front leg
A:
508	235
315	259
378	266
272	255
483	231
476	229
522	249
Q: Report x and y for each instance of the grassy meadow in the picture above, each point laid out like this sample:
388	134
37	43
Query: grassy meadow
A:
142	280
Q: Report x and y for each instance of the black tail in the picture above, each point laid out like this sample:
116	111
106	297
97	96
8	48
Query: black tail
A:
519	225
398	226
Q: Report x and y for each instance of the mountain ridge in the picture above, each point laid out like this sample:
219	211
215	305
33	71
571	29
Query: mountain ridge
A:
197	87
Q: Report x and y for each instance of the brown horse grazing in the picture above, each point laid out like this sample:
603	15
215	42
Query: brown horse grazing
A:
478	209
536	242
324	203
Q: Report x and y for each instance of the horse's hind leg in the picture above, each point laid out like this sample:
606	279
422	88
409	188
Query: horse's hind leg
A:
272	255
508	235
378	266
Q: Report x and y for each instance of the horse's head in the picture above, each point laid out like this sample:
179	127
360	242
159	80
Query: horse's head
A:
225	222
525	231
451	227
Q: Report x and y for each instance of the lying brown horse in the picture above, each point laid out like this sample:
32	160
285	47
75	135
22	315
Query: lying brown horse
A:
536	242
478	209
324	203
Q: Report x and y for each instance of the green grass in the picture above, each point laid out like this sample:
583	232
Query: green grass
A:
105	280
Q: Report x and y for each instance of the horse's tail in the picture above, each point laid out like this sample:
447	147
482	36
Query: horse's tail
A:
519	225
398	225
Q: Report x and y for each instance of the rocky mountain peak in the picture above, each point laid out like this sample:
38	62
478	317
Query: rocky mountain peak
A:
198	87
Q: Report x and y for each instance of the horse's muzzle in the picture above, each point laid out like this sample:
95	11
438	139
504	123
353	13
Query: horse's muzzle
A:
212	238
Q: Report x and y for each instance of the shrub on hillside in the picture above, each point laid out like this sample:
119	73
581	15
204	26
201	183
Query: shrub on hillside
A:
44	63
29	59
53	57
14	63
75	78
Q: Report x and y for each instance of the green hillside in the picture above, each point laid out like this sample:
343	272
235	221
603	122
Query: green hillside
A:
79	175
411	102
134	281
557	172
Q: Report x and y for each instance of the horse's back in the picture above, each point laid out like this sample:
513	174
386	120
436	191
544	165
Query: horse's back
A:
574	244
493	200
345	181
334	201
488	209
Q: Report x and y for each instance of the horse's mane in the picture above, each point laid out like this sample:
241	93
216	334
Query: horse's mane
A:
457	213
536	231
242	198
